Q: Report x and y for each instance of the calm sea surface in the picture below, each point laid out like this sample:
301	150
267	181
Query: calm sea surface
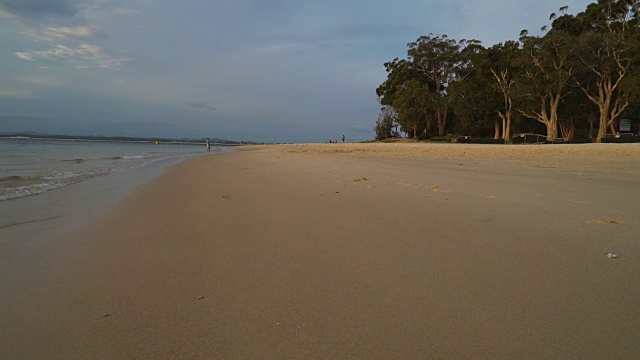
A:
35	166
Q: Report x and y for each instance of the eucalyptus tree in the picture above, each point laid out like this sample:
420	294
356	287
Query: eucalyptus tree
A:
547	68
385	123
440	59
409	93
609	52
473	102
398	72
412	103
503	64
576	113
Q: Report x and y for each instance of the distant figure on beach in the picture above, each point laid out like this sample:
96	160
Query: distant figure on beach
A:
208	145
342	137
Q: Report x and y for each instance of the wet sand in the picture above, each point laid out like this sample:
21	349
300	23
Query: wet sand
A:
418	251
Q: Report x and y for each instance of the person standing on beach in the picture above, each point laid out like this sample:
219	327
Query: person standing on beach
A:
208	145
342	137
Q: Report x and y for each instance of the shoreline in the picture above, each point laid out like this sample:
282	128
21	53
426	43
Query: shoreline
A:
33	226
349	251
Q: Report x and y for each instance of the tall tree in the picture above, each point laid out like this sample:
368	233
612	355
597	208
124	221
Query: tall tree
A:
502	62
609	52
408	92
384	124
548	67
438	58
585	70
412	103
473	102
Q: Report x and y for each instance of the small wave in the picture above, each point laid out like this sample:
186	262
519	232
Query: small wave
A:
15	180
12	187
126	157
77	161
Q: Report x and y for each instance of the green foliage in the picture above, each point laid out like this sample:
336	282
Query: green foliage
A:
424	137
385	123
578	78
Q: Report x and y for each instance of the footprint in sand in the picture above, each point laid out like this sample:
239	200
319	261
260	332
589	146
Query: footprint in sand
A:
412	185
436	188
578	201
606	222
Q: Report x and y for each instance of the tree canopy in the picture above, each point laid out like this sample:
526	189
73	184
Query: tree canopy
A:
582	74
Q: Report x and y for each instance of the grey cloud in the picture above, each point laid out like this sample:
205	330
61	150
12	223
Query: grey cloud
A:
126	11
62	32
81	57
42	8
200	105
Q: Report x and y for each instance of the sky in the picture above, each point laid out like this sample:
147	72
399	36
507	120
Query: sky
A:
252	70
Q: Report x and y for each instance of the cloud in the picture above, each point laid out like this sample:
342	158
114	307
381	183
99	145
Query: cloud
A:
126	12
82	57
24	55
200	105
42	8
41	80
13	93
62	32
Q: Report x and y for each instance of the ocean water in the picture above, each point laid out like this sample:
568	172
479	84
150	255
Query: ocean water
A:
34	166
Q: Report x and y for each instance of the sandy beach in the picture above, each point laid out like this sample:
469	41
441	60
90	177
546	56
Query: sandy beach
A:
340	251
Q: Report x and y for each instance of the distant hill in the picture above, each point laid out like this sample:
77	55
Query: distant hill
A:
33	134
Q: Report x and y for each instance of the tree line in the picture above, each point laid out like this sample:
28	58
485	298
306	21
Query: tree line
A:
575	81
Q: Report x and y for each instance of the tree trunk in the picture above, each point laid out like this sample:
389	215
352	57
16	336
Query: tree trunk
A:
612	126
505	83
602	127
604	104
572	132
609	107
496	130
504	125
442	120
568	129
552	132
506	133
548	117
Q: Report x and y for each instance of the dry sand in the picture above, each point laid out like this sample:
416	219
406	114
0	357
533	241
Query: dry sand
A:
404	251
